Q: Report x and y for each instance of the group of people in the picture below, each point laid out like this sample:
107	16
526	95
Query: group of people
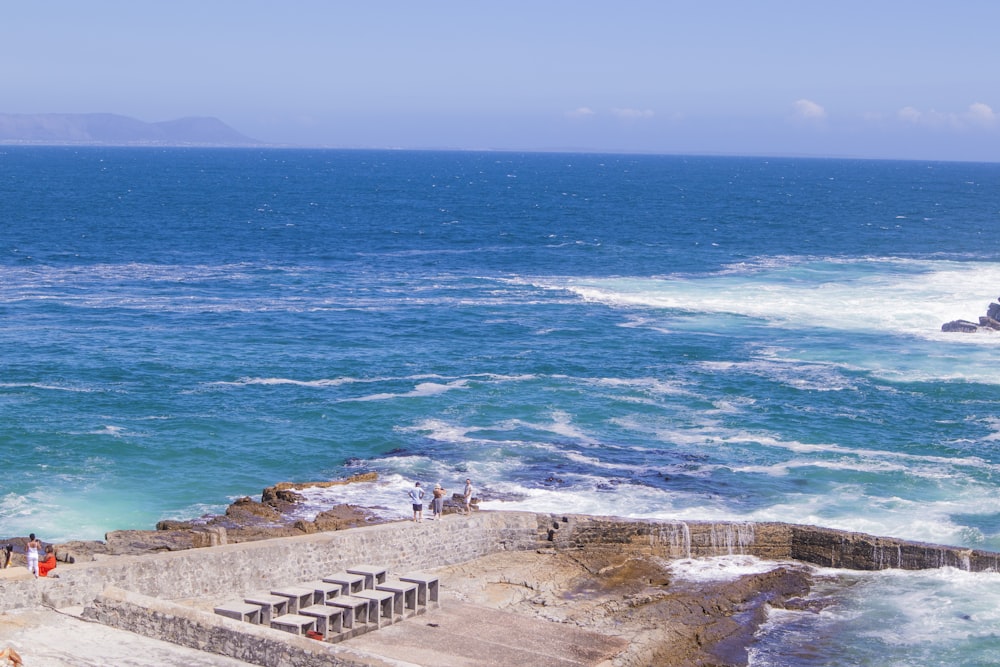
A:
437	500
37	565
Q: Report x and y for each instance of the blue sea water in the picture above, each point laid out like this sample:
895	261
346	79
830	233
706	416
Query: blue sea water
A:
649	336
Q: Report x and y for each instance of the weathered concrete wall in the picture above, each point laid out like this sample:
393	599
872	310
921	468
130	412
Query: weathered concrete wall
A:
670	539
205	631
229	571
858	551
773	541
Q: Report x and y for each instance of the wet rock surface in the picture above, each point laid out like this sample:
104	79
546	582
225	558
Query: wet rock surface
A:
667	622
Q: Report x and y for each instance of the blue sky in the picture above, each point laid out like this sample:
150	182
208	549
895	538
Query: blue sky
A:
883	79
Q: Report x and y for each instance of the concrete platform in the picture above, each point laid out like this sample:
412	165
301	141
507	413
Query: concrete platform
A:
468	635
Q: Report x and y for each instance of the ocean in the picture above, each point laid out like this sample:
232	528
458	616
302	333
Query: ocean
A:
750	339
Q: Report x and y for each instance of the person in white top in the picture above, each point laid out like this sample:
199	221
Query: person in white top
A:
31	551
467	496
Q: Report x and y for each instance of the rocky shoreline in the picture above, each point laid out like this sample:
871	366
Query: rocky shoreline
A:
625	593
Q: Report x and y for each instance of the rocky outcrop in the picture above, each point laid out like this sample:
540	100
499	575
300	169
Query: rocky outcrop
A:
990	322
245	520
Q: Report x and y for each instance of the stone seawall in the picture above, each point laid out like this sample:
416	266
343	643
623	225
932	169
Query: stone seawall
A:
228	571
825	547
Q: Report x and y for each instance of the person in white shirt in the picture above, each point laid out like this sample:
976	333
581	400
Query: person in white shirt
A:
31	551
467	496
417	500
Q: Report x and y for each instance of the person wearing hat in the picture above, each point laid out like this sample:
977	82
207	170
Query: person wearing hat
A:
437	505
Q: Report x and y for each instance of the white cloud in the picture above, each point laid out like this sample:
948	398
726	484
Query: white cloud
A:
909	115
581	112
632	114
809	110
977	115
981	113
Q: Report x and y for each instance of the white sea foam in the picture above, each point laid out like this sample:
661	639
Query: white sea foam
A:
907	618
421	390
849	508
45	386
888	297
905	613
438	429
325	382
595	463
880	458
115	431
719	568
248	382
654	386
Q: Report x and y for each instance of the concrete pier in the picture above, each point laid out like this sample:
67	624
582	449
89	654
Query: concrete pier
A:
146	594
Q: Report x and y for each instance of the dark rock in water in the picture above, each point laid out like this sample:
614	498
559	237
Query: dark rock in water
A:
249	511
961	326
991	320
280	498
989	323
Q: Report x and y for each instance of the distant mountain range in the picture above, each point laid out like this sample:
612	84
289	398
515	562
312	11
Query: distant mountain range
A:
113	130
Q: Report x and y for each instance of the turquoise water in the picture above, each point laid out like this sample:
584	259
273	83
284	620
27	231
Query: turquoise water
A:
703	338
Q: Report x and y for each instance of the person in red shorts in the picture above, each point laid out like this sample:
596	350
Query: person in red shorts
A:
47	564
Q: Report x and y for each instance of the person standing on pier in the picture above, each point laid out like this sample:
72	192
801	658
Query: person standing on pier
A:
437	506
31	550
417	500
467	496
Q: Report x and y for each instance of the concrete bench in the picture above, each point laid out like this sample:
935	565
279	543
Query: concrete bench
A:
324	590
373	574
350	583
383	609
241	611
355	609
329	620
294	623
427	588
405	595
270	606
298	597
